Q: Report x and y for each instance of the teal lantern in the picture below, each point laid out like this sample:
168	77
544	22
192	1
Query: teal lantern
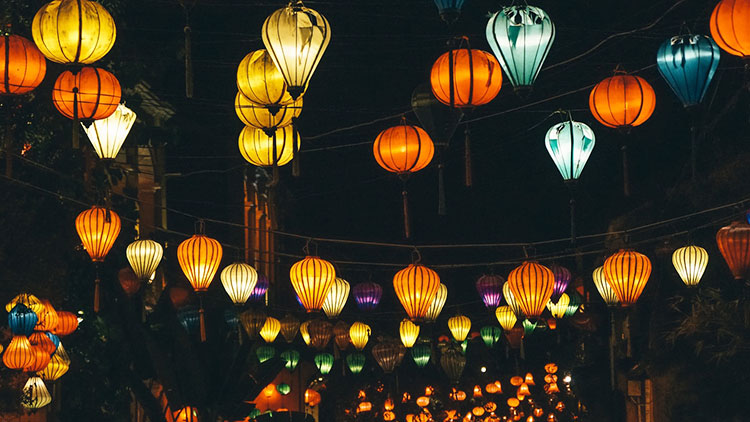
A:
528	327
265	353
688	64
291	359
324	362
521	37
573	304
355	362
490	335
449	9
570	144
421	354
283	389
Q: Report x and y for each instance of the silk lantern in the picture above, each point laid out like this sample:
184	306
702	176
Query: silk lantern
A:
270	329
453	363
459	326
312	279
26	299
262	117
22	320
532	285
490	335
367	295
730	28
734	244
89	94
239	280
688	63
627	272
421	355
558	309
144	257
622	101
320	332
261	287
416	287
18	354
98	229
510	299
262	150
22	65
259	80
570	145
291	359
465	77
359	333
324	362
690	263
506	317
409	332
67	323
304	333
199	258
289	327
437	304
129	282
57	366
605	289
388	355
108	134
563	277
355	362
490	289
35	394
336	298
341	335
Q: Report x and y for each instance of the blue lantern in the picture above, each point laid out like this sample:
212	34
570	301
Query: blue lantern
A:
688	64
570	144
521	37
22	320
449	9
55	340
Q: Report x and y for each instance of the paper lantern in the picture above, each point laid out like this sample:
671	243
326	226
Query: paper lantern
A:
18	354
359	333
627	272
688	64
532	285
416	287
239	281
355	362
605	289
28	300
324	362
57	366
570	145
506	317
265	353
421	355
67	323
510	300
449	9
490	289
261	287
409	333
98	229
199	258
459	326
730	28
22	320
465	77
388	355
367	295
35	394
312	279
107	135
521	37
291	359
259	80
453	362
144	257
252	321
690	263
263	117
622	101
490	335
320	333
257	147
336	298
403	149
40	358
89	94
289	327
304	332
22	65
559	309
296	38
734	244
270	329
437	304
312	397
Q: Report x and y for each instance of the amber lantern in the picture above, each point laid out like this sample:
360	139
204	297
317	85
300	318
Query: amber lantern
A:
690	263
532	286
605	289
289	327
437	304
466	77
559	309
67	323
40	340
320	332
388	355
409	333
47	317
262	150
252	321
57	366
107	135
259	80
627	272
622	101
262	117
312	278
270	329
22	66
19	353
199	258
416	287
40	359
734	244
459	326
239	280
144	257
506	317
730	28
90	94
186	414
98	229
341	335
304	333
359	333
336	299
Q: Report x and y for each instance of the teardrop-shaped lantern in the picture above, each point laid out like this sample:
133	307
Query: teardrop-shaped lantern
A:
40	359
107	135
730	28
466	77
574	303
734	244
688	64
144	257
506	317
622	101
320	333
570	149
627	272
239	281
40	340
199	258
98	229
437	304
510	299
57	366
421	354
35	394
490	289
563	277
312	279
416	287
453	363
409	332
367	295
129	282
388	355
359	333
355	362
291	359
22	65
532	285
289	327
324	362
336	299
270	329
559	309
690	263
296	38
521	37
459	326
18	354
490	335
605	289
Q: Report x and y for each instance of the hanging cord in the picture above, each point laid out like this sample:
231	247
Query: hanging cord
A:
295	148
187	8
467	155
442	207
405	200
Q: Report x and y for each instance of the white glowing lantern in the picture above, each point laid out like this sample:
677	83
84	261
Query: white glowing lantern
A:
108	135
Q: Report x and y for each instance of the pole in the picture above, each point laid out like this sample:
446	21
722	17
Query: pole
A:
612	349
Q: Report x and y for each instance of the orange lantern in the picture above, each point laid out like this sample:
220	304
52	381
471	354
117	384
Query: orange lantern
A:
423	401
513	402
48	318
67	323
40	340
22	65
89	94
730	26
40	359
516	381
532	286
622	101
98	229
312	278
312	398
186	414
19	353
550	368
529	379
465	77
627	272
734	245
416	287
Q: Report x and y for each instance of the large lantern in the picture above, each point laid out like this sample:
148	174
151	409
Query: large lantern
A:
416	287
262	150
605	289
259	80
89	94
459	326
622	101
107	135
320	333
270	329
18	354
367	295
437	304
336	298
409	333
532	285
359	333
627	272
22	66
312	278
688	64
355	362
734	244
239	280
570	145
388	355
490	289
199	259
563	278
144	257
35	394
506	317
289	327
560	308
730	28
521	37
690	263
465	77
296	38
261	117
341	335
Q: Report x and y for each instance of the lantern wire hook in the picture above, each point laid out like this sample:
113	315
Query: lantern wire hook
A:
200	227
416	256
306	248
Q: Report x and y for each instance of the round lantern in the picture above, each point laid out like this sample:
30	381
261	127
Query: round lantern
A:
521	37
257	147
490	335
359	333
291	357
19	353
459	326
98	229
89	94
324	362
320	332
622	101
270	329
129	282
734	244
403	149
690	263
416	287
506	317
355	362
199	258
261	117
532	285
453	362
421	355
466	78
289	327
437	304
605	289
336	299
688	64
239	281
67	323
259	80
627	272
559	308
388	355
22	320
730	28
296	38
22	66
490	289
367	295
107	135
312	279
35	394
409	333
570	145
144	257
510	299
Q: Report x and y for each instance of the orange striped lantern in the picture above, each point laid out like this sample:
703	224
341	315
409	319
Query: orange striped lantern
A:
734	244
730	28
89	94
40	340
416	287
312	279
532	286
622	101
98	229
67	323
48	318
18	354
40	360
22	65
627	272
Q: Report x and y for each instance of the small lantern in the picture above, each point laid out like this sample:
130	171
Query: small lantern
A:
324	362
734	244
35	394
559	309
312	278
270	329
336	298
107	135
511	300
355	362
265	353
453	362
291	359
490	289
239	280
199	259
490	335
320	333
144	257
570	145
604	288
367	295
690	263
409	333
388	355
421	355
506	317
289	327
459	326
359	334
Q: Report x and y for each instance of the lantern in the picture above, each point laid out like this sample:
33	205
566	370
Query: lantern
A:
291	359
57	366
367	295
252	321
324	362
41	340
304	333
270	329
186	414
239	281
18	354
265	353
490	289
490	335
729	27
388	355
521	37
465	77
264	117
40	358
355	362
296	38
423	401
67	323
416	287
528	326
179	296
28	300
259	80
421	355
35	394
90	94
453	362
341	335
312	279
98	229
199	259
312	397
622	101
261	287
688	64
409	333
437	304
573	303
605	289
734	244
515	336
257	147
627	272
22	66
570	144
144	257
128	281
690	263
510	300
289	327
22	320
506	317
532	286
336	298
359	333
189	319
283	389
48	318
449	9
559	309
320	333
459	326
108	134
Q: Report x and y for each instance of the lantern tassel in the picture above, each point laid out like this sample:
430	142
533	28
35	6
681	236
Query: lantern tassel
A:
188	62
571	189
405	197
96	294
467	156
74	137
202	315
625	171
442	210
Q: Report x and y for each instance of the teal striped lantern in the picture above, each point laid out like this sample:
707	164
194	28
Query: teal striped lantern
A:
355	362
688	64
265	353
570	144
490	335
291	359
324	362
421	354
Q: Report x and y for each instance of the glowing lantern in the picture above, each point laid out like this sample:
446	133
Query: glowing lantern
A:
459	326
506	317
521	37
257	147
477	391
264	117
22	65
688	64
186	414
364	406
477	411
67	323
690	263
22	320
627	272
336	298
532	285
734	244
409	333
416	287
144	257
559	309
35	394
355	362
312	398
437	304
304	333
128	281
57	366
296	38
252	321
289	327
570	145
43	342
490	335
453	362
388	355
510	299
513	402
605	289
90	94
523	390
312	278
320	333
367	295
270	329
528	326
283	389
239	280
341	335
573	303
388	416
529	379
40	358
48	318
199	259
98	229
563	278
423	401
324	362
259	80
622	101
291	359
108	134
265	353
28	300
729	27
490	289
421	355
359	333
18	354
466	78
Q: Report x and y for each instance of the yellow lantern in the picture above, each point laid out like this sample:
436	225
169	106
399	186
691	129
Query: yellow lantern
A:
144	257
107	135
270	329
506	317
199	259
35	394
510	299
239	281
261	117
312	278
57	366
437	304
559	309
690	263
336	299
28	300
359	333
532	285
304	333
416	287
259	80
409	332
257	147
73	31
296	38
459	326
605	290
627	272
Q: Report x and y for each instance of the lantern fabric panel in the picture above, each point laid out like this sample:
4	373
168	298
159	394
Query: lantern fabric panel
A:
268	118
257	147
28	300
22	65
627	272
57	366
605	289
570	145
437	304
688	64
416	287
403	149
559	308
107	135
259	80
622	101
144	257
336	298
730	28
39	360
47	317
89	94
199	259
98	229
563	277
367	295
690	263
532	285
312	278
239	280
734	244
476	78
490	289
510	299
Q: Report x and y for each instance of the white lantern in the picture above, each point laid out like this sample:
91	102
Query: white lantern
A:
108	135
35	394
144	257
336	298
239	280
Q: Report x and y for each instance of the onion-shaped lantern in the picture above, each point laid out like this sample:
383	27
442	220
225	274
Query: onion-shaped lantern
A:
296	38
521	37
506	317
466	77
690	263
569	148
129	282
18	354
605	289
90	94
144	257
490	289
459	326
437	304
57	366
336	299
28	300
35	394
289	327
730	28
388	355
324	362
98	229
490	335
291	359
341	335
41	340
532	285
22	65
622	101
627	272
40	359
67	323
409	332
107	135
449	9
734	244
510	299
563	277
416	287
261	287
560	308
239	281
22	320
252	321
421	354
257	147
688	64
259	80
453	363
359	333
265	353
320	333
270	329
199	259
367	295
262	117
355	362
312	279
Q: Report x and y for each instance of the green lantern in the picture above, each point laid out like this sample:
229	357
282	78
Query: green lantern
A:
528	327
490	335
291	359
324	362
355	362
421	354
254	413
573	304
283	389
265	353
570	144
464	345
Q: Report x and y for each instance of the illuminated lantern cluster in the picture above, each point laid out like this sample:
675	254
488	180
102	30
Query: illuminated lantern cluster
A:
22	65
336	299
312	278
729	27
490	289
532	285
627	272
416	287
690	263
367	295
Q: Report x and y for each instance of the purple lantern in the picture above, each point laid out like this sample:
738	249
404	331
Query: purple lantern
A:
562	279
261	287
367	295
490	289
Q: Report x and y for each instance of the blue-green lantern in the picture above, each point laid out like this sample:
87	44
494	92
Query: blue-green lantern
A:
528	327
421	354
265	353
291	359
283	389
688	64
573	304
570	144
521	37
490	335
449	9
324	362
355	362
22	320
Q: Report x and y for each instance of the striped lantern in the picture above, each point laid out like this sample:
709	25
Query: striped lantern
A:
359	333
690	263
627	272
459	326
560	308
239	280
35	394
48	318
734	244
57	366
18	354
506	317
562	280
532	285
336	299
416	287
199	259
40	359
409	333
367	295
437	304
490	289
289	327
604	288
67	323
320	332
341	335
312	278
270	329
22	320
510	299
144	257
388	355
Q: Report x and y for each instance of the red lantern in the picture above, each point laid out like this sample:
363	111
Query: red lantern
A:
22	65
734	244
